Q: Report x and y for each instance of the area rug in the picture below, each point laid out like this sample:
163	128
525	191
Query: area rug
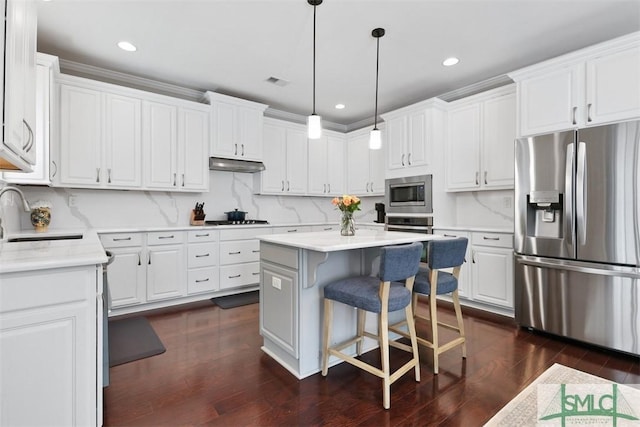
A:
563	396
132	339
237	300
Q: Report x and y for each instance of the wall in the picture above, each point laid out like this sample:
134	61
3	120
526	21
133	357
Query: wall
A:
102	209
485	209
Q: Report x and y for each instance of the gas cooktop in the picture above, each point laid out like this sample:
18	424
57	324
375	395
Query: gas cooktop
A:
245	222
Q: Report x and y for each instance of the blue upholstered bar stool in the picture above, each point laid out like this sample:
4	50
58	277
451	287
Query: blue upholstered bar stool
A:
430	282
382	295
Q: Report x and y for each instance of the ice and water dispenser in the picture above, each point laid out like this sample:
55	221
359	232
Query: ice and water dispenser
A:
545	214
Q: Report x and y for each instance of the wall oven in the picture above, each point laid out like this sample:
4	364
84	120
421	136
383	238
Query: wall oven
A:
411	224
409	195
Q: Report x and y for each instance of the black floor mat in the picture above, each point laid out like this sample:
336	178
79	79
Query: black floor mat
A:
131	339
237	300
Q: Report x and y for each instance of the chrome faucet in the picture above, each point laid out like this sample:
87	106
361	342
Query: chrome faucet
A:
25	205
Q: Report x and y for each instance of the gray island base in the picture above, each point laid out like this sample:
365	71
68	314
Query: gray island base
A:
294	268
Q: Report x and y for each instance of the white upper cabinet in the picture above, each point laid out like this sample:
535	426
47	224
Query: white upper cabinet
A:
285	159
326	165
410	134
46	69
236	127
18	148
481	134
365	167
121	138
593	86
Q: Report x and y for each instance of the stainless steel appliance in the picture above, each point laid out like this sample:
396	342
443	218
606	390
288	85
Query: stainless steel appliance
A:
577	235
411	224
409	195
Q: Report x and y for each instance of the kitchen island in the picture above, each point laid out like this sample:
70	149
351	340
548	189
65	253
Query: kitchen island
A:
294	268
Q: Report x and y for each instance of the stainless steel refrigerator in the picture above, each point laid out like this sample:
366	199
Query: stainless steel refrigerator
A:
577	235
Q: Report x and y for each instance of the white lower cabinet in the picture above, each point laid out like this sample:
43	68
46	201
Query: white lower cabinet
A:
486	277
126	275
165	265
239	258
50	323
202	262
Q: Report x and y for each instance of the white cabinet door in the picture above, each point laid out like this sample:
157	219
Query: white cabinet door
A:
80	136
122	166
418	141
193	143
492	270
165	272
498	140
613	87
376	172
160	141
463	155
358	165
224	144
275	158
318	166
296	162
249	130
550	102
335	160
126	277
396	141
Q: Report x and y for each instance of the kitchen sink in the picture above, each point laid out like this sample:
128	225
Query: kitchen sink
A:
42	238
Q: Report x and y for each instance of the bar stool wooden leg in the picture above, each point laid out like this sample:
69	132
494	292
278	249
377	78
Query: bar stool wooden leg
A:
326	334
411	326
433	314
456	306
362	317
384	355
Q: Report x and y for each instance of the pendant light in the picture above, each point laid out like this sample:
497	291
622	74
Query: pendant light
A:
375	139
314	121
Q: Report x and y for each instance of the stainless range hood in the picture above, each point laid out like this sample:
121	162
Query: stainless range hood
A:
232	165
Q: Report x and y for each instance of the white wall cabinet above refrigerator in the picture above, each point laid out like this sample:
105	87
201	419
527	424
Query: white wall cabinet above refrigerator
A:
593	86
236	127
481	134
18	148
409	137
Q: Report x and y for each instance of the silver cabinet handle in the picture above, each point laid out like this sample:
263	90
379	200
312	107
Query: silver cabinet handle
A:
329	188
485	178
29	144
109	175
449	235
56	170
573	112
282	189
139	259
477	178
295	230
242	146
409	159
288	185
235	149
256	251
202	235
371	186
490	238
121	239
235	253
328	228
202	280
200	256
324	188
473	257
234	277
174	179
256	274
97	174
589	113
402	159
183	180
167	237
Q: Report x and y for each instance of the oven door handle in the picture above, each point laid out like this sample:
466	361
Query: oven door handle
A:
410	228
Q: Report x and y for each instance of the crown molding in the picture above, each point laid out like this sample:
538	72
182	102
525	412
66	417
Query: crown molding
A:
485	85
298	118
135	82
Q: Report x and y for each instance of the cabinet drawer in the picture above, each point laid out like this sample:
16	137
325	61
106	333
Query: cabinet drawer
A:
165	237
202	236
292	229
202	280
120	240
202	254
452	233
239	251
233	276
498	240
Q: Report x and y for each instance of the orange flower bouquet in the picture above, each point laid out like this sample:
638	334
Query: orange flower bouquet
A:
348	205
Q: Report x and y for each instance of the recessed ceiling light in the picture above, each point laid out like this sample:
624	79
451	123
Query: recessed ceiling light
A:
339	106
127	46
450	61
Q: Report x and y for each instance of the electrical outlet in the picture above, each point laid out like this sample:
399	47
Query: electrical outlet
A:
72	201
506	202
276	282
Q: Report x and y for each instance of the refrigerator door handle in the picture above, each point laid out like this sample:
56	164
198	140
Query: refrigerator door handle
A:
568	191
581	267
581	197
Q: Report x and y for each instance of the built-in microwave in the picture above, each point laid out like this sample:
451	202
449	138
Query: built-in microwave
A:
409	195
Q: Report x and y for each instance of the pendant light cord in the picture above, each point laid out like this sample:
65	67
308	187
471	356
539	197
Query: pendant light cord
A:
375	117
314	60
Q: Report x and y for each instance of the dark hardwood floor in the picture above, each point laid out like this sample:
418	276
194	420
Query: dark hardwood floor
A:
214	373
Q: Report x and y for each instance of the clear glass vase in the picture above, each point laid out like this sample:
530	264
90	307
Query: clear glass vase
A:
347	225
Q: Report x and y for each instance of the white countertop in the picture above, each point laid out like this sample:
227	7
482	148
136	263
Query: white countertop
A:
45	254
474	228
330	241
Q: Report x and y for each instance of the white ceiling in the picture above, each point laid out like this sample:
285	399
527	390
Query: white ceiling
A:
233	46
